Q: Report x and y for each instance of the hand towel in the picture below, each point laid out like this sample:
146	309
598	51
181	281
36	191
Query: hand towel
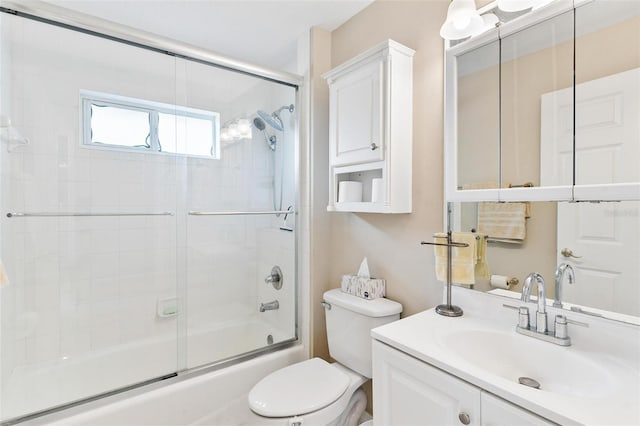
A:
503	222
4	278
463	259
482	267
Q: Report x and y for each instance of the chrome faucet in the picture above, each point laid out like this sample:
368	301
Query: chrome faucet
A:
541	314
269	306
559	335
560	273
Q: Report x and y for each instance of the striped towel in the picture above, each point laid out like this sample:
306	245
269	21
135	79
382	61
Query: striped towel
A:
503	222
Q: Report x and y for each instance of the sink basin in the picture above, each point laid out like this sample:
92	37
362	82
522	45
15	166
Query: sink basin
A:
510	356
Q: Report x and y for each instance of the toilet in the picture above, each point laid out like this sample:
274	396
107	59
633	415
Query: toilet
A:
315	392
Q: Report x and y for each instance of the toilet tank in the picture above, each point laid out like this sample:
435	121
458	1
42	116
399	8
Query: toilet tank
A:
349	322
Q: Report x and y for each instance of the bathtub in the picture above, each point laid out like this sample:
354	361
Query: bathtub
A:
181	400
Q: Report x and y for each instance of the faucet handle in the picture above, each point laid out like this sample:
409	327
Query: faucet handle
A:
561	326
523	315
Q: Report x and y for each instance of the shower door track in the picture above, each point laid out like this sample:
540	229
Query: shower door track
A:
75	21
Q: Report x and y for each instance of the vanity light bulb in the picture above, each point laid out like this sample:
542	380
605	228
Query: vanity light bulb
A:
462	23
234	132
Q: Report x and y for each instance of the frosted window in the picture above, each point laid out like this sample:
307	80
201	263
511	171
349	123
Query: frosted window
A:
119	126
186	135
116	122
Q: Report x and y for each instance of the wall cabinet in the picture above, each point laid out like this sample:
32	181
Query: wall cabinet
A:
530	115
407	391
370	129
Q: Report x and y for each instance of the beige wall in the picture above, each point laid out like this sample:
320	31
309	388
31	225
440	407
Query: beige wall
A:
318	170
392	242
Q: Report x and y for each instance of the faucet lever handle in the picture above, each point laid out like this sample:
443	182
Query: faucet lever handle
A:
561	326
523	315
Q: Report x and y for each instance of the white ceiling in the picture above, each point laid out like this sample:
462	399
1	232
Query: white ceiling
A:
264	32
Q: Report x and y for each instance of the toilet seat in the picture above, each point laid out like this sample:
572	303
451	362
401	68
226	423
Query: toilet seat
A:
298	389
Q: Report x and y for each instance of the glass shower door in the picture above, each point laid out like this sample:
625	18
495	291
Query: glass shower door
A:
238	232
88	229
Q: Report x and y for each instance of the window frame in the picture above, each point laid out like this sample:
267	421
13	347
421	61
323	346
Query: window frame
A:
90	98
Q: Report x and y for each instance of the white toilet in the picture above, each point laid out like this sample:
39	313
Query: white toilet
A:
314	392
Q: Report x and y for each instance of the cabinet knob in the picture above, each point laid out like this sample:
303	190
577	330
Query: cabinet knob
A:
464	418
373	146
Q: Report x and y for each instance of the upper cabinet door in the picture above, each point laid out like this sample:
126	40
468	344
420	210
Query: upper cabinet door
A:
607	96
536	111
355	115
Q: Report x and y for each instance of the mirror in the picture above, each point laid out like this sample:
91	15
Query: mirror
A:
607	92
478	120
536	63
601	241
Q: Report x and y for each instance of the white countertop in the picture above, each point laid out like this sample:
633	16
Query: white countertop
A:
609	352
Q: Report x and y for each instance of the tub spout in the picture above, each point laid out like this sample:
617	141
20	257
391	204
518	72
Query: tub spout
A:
269	306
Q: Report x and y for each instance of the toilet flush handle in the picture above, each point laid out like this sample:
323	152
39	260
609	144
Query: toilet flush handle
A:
326	305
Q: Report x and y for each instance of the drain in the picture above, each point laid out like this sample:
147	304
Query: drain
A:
528	381
270	340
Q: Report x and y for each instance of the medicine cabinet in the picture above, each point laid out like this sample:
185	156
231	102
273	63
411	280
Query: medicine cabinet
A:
534	111
370	131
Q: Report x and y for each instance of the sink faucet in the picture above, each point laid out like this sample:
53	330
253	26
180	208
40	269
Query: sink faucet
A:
269	306
560	273
541	314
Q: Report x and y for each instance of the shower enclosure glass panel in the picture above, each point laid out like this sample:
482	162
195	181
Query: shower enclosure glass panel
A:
233	233
90	247
126	265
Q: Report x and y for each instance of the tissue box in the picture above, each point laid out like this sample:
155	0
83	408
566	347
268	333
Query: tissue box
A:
367	288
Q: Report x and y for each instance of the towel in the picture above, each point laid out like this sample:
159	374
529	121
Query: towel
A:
4	278
463	259
503	222
482	267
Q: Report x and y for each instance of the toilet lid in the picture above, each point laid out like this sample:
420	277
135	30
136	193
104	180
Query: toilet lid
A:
298	389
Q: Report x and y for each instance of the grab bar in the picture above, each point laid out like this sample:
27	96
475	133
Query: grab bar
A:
83	214
239	213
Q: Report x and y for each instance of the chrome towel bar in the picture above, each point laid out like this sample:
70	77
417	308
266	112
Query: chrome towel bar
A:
84	214
239	213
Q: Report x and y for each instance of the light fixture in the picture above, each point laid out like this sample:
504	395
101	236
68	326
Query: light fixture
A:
515	5
235	130
518	5
489	20
463	20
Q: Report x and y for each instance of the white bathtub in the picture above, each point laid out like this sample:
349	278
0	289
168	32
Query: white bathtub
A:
180	401
175	401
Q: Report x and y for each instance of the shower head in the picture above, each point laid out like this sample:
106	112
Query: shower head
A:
270	140
273	119
259	123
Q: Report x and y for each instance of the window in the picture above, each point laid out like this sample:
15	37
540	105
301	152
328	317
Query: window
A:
117	122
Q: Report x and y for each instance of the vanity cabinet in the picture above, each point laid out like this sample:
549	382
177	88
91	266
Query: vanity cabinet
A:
370	129
531	114
407	391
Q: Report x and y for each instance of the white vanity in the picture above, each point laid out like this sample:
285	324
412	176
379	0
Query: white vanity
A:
431	369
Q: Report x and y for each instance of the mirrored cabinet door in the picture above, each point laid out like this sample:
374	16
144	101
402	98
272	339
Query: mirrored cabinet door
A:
607	99
474	130
536	111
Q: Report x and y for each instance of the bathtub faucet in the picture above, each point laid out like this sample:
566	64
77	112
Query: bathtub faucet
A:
269	306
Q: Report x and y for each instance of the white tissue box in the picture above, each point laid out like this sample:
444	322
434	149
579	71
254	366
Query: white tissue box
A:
367	288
